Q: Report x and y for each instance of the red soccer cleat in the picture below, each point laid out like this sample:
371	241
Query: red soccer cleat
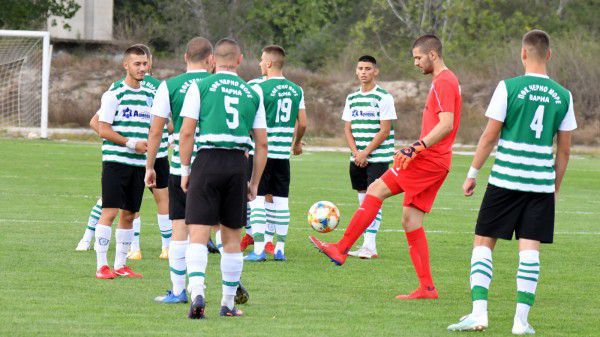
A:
125	271
270	248
104	273
329	249
247	240
420	294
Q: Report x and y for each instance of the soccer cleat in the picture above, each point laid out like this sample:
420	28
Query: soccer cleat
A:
197	308
172	298
125	271
522	329
366	253
354	253
241	294
269	248
134	255
104	273
83	245
247	240
470	323
420	294
212	248
164	254
329	249
252	257
226	312
279	256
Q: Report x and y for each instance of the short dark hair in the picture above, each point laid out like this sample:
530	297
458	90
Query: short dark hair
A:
145	48
198	49
428	43
134	50
278	54
367	58
538	42
227	48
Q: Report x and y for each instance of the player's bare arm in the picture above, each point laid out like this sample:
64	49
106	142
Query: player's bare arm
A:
260	160
300	129
563	151
486	144
106	131
385	126
351	142
154	139
186	146
94	124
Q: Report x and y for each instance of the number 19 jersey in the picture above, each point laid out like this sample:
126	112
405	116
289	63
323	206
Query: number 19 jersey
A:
533	108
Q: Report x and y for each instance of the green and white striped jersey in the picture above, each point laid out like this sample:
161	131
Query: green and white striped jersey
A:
226	108
282	99
168	102
533	108
365	111
152	83
128	111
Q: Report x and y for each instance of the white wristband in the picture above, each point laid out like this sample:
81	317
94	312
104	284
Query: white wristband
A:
472	174
131	144
185	170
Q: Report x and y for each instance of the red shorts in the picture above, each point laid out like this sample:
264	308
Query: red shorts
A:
420	182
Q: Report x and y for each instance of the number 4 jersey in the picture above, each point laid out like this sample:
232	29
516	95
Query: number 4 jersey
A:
533	108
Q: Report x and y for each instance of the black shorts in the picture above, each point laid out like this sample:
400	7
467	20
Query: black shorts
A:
176	198
527	214
362	177
275	179
161	167
122	186
218	189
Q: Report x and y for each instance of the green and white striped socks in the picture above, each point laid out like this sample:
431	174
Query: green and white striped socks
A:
177	265
270	229
166	229
93	221
528	274
196	258
137	228
481	277
280	217
232	265
258	220
248	226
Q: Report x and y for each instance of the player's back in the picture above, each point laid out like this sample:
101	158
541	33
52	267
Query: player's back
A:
227	112
282	100
178	87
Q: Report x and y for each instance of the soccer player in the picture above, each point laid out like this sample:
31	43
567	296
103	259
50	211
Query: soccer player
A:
159	192
225	109
284	108
368	115
525	114
168	102
124	120
419	170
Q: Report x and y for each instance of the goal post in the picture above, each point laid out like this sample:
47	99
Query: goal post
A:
24	79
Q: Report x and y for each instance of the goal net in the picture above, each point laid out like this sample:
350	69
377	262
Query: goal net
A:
24	75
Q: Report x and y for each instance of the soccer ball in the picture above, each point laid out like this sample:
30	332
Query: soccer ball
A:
323	216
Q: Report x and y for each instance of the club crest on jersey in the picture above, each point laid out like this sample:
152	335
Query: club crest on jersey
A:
149	101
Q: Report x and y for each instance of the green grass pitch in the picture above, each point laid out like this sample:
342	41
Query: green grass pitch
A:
47	189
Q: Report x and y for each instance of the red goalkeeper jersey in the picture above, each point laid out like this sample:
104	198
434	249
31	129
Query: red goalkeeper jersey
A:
444	96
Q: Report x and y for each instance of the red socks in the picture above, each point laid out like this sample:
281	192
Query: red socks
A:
419	254
360	221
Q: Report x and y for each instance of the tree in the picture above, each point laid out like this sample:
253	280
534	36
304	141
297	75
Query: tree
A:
32	14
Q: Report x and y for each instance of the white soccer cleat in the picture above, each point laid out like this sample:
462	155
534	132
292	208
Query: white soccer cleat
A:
83	245
355	252
366	253
470	323
522	329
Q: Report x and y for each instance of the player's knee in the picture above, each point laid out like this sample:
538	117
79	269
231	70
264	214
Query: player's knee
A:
378	189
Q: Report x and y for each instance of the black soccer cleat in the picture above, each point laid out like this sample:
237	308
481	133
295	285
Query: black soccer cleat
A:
212	248
241	294
197	308
226	312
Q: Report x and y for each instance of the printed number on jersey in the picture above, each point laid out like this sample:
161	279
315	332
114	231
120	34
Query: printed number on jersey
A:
284	110
233	111
537	124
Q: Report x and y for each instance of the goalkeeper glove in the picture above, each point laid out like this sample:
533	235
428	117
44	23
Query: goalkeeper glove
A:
405	155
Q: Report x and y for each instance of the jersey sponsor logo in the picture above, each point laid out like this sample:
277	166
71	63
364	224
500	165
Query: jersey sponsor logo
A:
128	113
360	113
